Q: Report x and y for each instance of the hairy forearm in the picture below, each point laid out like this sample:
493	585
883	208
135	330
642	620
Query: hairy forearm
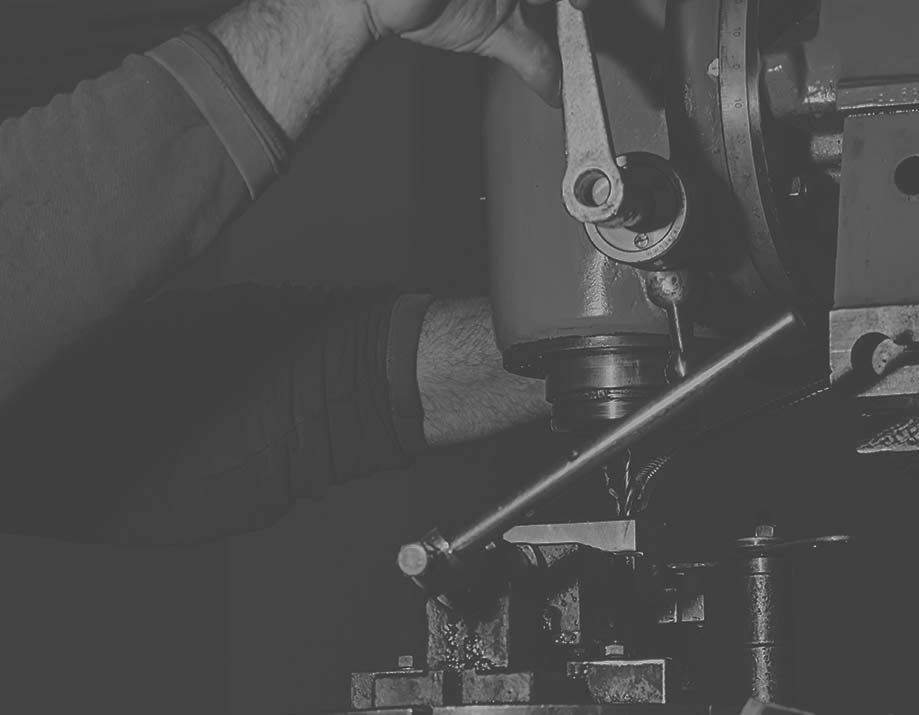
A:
465	391
293	53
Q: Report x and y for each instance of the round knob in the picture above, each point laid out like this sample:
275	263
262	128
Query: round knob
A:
413	559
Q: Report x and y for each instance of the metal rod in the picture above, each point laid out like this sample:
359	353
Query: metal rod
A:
649	418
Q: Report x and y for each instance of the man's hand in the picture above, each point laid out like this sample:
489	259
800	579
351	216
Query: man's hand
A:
294	52
492	28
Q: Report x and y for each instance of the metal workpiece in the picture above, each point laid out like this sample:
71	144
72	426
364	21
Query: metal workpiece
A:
592	188
614	537
653	416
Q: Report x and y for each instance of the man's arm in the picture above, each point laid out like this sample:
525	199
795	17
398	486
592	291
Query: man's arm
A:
293	53
465	390
106	191
200	415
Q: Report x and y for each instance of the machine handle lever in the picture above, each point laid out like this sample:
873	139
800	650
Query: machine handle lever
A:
592	188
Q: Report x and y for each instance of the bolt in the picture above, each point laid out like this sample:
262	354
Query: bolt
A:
797	188
764	531
614	650
600	191
406	662
642	240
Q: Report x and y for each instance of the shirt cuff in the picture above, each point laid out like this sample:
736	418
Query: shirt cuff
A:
207	73
401	371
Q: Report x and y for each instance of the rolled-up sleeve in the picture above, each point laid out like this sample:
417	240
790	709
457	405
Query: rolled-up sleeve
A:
202	415
205	70
106	190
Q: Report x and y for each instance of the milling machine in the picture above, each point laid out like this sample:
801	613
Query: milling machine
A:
739	186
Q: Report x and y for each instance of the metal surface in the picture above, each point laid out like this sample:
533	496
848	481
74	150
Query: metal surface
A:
694	119
499	688
547	281
619	709
876	292
875	96
682	596
592	187
455	644
768	629
652	241
624	681
639	709
643	422
812	74
876	248
738	76
609	536
596	378
672	291
398	689
754	707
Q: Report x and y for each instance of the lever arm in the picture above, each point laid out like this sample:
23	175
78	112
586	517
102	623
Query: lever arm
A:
592	188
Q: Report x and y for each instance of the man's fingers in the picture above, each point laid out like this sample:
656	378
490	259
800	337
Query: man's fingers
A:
529	55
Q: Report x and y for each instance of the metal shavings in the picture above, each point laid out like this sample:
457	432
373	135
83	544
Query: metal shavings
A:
465	653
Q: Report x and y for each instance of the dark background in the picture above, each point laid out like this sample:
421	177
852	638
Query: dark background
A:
272	623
